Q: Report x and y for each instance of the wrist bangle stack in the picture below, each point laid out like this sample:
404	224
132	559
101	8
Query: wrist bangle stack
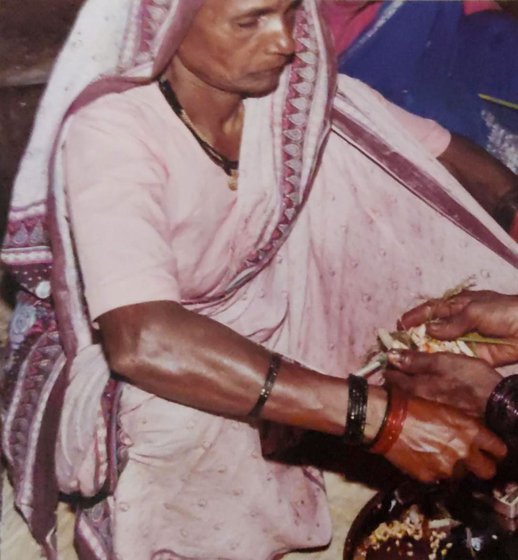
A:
356	411
392	426
502	408
271	376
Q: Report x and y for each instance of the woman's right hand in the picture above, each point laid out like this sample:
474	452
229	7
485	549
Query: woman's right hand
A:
490	314
439	442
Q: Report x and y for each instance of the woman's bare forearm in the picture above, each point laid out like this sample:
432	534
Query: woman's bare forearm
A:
193	360
188	358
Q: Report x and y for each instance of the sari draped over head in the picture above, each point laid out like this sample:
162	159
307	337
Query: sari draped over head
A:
118	45
114	46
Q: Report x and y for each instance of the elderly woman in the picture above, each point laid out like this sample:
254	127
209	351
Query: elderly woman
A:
222	228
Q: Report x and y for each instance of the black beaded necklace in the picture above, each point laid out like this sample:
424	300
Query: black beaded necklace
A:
230	167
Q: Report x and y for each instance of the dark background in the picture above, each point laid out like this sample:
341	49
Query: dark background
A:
31	34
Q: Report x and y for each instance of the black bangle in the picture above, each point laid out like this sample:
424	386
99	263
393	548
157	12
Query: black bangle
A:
502	408
356	410
385	418
271	376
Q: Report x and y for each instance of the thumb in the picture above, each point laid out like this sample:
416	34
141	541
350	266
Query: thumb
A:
412	362
451	327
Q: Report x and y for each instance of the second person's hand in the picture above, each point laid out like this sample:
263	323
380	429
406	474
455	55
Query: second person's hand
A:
487	313
453	379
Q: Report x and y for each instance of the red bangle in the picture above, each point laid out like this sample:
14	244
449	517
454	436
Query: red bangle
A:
393	426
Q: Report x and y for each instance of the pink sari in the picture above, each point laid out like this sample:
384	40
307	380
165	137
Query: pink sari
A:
347	214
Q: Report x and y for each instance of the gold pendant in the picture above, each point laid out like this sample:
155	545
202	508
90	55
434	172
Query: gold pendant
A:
233	180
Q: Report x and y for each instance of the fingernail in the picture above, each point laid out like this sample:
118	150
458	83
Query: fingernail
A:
396	357
434	325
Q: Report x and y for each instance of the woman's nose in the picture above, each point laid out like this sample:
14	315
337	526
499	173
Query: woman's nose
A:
282	39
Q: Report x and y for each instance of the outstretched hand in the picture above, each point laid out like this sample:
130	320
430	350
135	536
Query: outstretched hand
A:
438	442
489	314
453	379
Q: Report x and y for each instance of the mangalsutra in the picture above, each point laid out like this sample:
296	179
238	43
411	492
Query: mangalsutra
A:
229	166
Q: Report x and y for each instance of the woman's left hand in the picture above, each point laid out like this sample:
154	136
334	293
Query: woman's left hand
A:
456	380
438	442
